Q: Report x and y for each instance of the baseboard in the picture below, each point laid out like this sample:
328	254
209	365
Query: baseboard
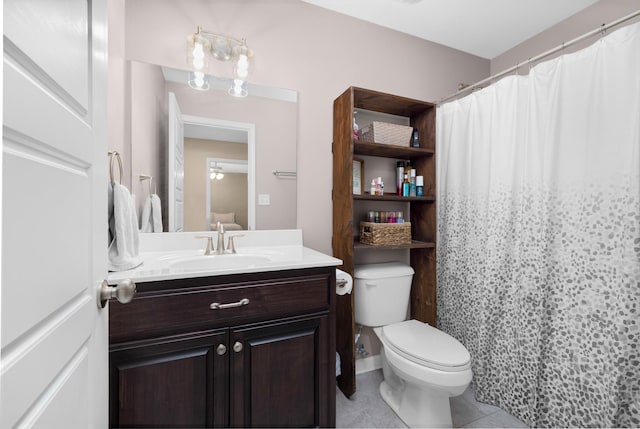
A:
367	364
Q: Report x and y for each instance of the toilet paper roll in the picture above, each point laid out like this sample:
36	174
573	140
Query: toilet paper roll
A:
344	282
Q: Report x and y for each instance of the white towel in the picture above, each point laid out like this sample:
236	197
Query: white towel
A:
151	215
125	246
145	220
156	213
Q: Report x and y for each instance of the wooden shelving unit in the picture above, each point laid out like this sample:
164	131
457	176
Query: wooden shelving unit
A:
421	115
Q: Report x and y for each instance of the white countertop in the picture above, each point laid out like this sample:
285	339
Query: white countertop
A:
167	256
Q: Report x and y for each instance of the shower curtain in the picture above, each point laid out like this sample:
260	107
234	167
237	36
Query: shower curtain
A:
539	236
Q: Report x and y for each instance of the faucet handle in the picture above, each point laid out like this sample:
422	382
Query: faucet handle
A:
220	227
209	249
231	246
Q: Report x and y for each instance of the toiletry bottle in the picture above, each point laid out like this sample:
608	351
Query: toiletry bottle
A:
419	186
415	142
356	129
399	176
406	185
399	217
372	189
412	183
380	186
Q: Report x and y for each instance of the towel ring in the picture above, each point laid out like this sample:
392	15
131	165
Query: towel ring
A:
115	155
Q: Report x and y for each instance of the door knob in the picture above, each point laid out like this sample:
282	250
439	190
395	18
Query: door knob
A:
237	347
123	292
222	349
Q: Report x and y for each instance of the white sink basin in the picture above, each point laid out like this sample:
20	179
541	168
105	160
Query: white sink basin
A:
216	262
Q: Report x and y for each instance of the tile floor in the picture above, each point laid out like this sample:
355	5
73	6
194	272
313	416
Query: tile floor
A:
366	409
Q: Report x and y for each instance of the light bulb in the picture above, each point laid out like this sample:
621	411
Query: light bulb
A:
197	48
242	66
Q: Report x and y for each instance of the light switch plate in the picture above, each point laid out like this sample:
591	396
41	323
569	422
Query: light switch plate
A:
264	199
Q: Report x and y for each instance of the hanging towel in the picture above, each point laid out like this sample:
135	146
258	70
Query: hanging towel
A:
151	215
145	220
156	213
125	246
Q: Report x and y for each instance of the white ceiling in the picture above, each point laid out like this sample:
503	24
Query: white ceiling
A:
486	28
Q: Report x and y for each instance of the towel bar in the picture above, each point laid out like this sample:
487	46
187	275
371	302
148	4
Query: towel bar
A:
148	177
284	173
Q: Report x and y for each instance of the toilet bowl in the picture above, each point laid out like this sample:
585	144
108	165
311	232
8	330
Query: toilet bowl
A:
422	366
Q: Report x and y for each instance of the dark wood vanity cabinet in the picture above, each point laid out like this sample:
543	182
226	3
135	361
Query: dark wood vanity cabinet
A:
175	362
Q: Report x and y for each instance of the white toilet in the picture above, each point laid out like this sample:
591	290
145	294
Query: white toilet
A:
422	365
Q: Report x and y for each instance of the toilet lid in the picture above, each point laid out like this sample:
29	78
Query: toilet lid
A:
426	345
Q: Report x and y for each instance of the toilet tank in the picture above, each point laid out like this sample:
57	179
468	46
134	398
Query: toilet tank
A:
381	293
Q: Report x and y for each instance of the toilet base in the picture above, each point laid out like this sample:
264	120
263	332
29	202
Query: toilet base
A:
417	407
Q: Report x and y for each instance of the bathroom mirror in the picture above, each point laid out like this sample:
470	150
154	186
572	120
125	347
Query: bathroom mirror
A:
259	130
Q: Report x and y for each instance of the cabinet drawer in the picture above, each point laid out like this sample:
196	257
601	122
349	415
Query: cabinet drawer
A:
179	309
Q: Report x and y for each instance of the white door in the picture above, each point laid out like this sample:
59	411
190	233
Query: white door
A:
176	166
54	369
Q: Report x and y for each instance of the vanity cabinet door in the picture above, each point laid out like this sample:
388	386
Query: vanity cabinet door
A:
178	381
278	374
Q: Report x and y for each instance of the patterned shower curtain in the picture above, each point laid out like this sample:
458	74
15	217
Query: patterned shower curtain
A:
539	236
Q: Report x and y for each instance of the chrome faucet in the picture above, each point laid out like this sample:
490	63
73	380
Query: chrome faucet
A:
220	246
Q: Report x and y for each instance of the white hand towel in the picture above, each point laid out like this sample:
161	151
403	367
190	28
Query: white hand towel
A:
145	220
125	247
156	213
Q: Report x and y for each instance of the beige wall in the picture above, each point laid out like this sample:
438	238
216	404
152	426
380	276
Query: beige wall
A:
196	152
602	12
315	51
149	112
118	133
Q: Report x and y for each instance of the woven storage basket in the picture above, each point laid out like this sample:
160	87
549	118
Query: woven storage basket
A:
378	234
384	133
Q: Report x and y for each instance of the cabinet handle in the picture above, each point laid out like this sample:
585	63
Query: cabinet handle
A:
218	306
237	347
222	349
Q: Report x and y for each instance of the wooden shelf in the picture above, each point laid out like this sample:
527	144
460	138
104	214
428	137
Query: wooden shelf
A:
390	151
395	198
420	115
415	244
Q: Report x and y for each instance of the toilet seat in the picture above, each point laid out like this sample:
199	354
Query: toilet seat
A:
426	346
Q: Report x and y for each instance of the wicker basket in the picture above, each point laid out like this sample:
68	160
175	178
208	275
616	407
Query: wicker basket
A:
384	133
381	234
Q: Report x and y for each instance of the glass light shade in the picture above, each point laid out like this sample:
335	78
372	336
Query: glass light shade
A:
197	49
239	88
198	81
241	65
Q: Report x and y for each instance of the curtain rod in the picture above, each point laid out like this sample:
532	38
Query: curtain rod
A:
600	29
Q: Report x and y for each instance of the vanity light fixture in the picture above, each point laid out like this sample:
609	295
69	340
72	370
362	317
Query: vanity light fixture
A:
203	45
